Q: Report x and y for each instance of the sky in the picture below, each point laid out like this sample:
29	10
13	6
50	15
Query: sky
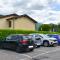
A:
43	11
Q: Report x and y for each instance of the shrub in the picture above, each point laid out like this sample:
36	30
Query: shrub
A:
5	33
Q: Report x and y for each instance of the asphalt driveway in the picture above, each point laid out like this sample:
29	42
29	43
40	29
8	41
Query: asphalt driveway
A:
42	53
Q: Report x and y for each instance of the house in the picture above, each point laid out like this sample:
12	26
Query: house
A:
13	21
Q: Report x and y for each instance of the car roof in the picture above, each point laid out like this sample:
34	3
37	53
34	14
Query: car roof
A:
52	34
19	34
36	34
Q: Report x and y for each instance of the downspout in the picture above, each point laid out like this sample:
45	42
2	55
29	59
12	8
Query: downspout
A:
35	27
13	24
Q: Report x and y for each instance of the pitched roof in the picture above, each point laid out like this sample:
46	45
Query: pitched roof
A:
16	17
4	16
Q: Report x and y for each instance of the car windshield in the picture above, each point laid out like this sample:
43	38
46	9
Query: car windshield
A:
50	35
46	36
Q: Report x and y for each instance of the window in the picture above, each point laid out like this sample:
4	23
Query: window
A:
13	37
37	36
41	36
9	23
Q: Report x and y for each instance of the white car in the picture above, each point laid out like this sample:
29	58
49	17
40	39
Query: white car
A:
43	39
36	39
47	41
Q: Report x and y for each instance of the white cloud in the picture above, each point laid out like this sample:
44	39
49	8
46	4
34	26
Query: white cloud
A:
41	10
46	16
9	5
58	1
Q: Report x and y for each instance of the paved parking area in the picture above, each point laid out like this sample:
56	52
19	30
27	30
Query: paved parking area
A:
42	53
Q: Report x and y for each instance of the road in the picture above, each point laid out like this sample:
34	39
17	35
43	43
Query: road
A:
42	53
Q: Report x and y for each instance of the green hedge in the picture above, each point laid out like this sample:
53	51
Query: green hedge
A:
4	33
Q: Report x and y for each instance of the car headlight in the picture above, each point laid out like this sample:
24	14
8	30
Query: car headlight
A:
51	40
55	40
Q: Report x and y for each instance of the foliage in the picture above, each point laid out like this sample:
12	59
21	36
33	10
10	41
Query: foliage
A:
58	27
5	33
45	27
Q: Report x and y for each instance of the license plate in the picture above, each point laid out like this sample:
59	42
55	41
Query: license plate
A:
30	46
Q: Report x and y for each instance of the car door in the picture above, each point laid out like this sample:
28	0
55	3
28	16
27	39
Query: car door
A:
14	41
37	40
42	39
7	42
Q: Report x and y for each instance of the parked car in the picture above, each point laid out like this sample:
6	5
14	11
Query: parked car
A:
57	36
36	39
43	39
48	41
18	42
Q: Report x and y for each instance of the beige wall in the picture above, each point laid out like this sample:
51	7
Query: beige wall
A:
3	24
24	24
20	23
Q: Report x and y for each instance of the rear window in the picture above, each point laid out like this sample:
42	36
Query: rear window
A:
25	37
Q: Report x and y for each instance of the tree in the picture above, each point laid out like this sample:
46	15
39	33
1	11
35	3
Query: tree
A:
58	26
54	27
45	27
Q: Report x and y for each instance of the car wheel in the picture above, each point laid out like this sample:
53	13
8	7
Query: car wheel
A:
18	50
54	45
46	44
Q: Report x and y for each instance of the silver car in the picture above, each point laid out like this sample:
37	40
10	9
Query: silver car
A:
36	39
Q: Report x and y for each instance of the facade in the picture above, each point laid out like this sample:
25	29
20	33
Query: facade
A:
23	22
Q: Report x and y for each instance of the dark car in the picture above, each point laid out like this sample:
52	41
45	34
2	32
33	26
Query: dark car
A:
19	43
